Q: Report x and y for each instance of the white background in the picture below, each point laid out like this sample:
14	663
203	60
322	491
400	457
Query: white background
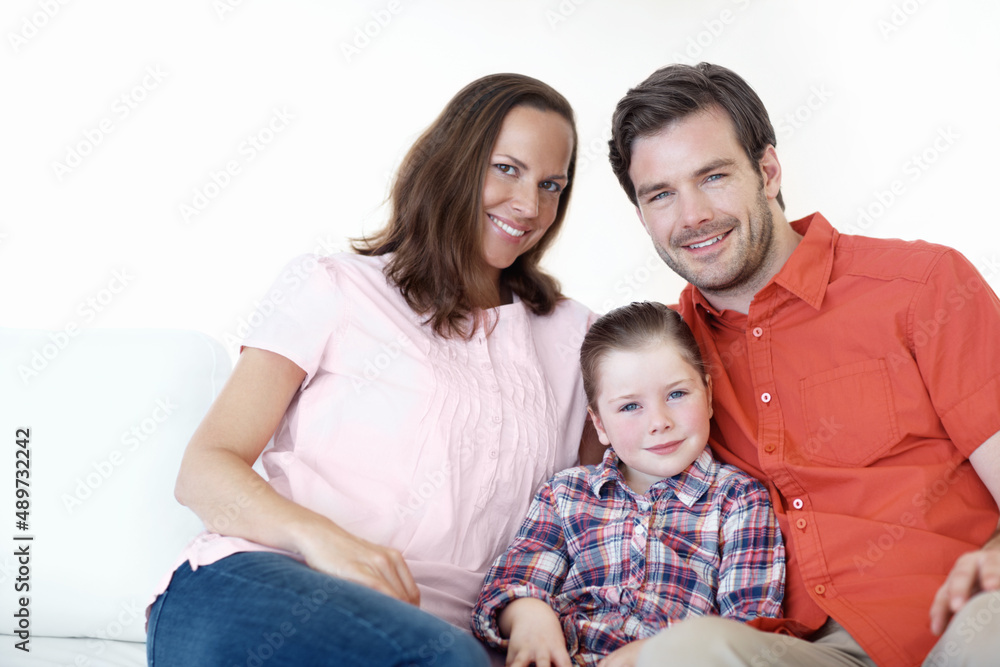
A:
856	89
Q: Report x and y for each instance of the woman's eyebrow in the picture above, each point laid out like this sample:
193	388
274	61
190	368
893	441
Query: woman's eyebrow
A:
522	166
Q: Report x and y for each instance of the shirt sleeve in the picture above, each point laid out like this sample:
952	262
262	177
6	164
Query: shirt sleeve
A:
534	565
954	333
299	314
752	574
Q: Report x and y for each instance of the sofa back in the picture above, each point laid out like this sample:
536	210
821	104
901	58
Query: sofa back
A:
92	428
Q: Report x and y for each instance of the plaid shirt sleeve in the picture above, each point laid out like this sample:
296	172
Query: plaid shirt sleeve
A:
752	572
534	565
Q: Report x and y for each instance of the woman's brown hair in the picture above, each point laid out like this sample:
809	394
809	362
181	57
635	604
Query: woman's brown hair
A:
434	229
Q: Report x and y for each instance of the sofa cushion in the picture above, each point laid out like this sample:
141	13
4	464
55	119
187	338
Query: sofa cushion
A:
107	415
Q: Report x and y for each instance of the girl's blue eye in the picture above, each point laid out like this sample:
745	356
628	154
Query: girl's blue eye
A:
677	394
629	407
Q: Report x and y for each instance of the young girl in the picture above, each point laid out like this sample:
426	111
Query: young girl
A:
611	554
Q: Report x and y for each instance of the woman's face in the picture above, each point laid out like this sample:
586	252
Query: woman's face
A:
526	176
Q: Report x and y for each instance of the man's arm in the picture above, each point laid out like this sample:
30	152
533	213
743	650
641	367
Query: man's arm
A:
978	570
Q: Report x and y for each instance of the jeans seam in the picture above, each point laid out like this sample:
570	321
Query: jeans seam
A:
153	625
387	638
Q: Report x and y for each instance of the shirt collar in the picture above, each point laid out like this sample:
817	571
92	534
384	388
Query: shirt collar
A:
806	274
688	485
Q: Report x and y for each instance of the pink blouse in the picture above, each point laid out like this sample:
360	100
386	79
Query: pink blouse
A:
429	445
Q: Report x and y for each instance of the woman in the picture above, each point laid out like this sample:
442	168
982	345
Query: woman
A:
421	389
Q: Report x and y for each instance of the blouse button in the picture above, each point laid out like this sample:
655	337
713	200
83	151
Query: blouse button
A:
496	419
493	453
797	503
820	589
766	397
758	332
801	524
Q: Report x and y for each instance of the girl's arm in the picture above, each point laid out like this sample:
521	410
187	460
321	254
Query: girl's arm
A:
536	635
522	580
217	481
752	573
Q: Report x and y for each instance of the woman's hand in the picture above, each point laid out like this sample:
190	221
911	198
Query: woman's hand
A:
626	656
536	636
332	550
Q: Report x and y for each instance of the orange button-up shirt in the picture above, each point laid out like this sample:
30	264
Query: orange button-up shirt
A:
865	374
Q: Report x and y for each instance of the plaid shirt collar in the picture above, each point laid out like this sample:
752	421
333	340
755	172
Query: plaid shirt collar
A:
688	485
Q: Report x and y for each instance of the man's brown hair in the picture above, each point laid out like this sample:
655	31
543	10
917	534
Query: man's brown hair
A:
677	91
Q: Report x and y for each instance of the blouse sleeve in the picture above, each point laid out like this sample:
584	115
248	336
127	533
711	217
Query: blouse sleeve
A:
300	314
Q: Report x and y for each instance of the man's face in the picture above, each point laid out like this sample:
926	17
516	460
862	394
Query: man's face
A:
704	204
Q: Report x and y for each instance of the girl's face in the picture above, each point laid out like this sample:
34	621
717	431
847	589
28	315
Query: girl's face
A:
526	176
654	409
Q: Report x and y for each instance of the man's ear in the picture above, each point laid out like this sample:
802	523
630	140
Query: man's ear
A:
602	435
770	170
638	212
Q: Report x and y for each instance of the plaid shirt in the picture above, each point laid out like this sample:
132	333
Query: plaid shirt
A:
617	566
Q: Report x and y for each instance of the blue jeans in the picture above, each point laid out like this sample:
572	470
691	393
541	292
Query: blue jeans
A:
261	609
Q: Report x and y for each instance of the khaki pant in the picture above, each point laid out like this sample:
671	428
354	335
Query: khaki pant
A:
971	640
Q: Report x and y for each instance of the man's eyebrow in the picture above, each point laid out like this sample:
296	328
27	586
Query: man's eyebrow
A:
715	164
664	185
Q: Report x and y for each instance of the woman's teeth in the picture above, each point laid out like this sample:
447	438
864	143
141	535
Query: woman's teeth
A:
507	228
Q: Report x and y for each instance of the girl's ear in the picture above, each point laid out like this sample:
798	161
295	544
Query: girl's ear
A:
708	393
602	435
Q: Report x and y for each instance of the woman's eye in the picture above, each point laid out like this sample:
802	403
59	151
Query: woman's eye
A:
506	169
550	186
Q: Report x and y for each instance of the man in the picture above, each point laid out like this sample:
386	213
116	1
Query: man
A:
858	378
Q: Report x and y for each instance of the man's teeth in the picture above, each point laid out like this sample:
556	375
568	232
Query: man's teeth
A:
507	228
707	243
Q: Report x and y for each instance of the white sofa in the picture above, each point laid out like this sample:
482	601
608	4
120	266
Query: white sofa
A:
109	413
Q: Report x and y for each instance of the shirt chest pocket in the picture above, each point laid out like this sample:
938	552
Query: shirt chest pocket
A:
849	414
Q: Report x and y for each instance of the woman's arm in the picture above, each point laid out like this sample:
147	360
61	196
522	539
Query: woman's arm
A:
217	482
